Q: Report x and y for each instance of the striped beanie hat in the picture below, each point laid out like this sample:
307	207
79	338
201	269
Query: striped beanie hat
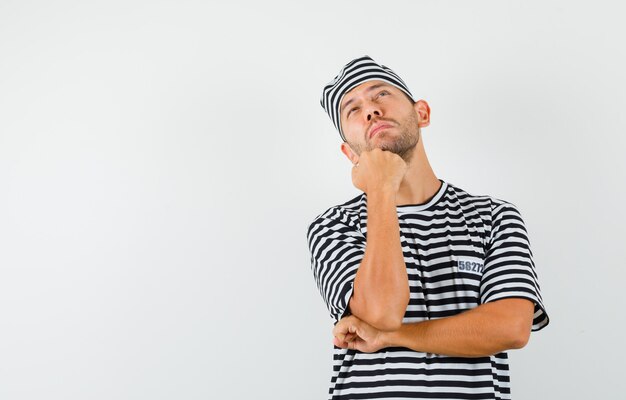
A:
357	71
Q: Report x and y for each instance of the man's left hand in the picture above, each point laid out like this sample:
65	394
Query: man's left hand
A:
353	333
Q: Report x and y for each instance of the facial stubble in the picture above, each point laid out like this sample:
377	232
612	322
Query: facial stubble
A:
403	146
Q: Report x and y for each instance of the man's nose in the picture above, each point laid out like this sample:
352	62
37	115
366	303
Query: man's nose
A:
373	110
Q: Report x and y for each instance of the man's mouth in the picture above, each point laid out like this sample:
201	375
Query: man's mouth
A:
378	127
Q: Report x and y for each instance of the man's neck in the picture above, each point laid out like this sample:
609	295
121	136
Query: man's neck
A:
419	183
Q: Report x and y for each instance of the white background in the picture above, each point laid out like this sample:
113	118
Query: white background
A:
160	162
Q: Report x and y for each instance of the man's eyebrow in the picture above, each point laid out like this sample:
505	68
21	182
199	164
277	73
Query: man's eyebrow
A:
369	89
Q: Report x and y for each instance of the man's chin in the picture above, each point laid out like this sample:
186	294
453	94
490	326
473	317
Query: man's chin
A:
383	146
380	142
378	139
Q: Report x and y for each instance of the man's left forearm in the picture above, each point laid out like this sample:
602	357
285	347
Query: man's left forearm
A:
485	330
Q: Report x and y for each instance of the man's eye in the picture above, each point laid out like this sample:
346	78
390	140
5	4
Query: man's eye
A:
352	110
384	91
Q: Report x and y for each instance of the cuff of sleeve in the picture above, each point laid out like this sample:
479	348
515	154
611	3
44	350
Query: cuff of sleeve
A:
540	318
343	309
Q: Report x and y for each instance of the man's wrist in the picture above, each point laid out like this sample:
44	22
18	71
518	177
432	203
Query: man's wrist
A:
390	338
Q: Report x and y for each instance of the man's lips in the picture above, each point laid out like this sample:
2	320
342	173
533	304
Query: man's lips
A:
377	128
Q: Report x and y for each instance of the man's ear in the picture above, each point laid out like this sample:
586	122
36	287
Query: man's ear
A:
423	110
347	150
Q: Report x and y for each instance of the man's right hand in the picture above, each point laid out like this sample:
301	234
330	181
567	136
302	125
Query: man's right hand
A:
379	170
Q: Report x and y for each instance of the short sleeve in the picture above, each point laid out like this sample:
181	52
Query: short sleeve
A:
336	247
509	269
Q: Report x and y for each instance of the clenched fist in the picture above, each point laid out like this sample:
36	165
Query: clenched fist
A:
378	170
354	333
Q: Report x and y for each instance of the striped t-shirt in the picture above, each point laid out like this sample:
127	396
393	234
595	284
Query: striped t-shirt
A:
460	250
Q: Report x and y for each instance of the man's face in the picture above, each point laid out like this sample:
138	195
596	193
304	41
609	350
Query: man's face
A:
374	103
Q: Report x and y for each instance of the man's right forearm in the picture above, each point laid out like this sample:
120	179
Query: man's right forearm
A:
381	288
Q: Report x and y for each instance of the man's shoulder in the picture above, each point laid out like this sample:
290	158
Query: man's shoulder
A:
348	212
486	202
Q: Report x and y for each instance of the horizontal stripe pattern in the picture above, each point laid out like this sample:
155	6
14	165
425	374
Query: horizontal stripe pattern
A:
460	250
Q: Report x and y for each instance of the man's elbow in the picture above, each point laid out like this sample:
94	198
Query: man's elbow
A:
520	336
381	318
387	322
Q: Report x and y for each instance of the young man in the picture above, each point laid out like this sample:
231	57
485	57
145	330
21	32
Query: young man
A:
428	285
